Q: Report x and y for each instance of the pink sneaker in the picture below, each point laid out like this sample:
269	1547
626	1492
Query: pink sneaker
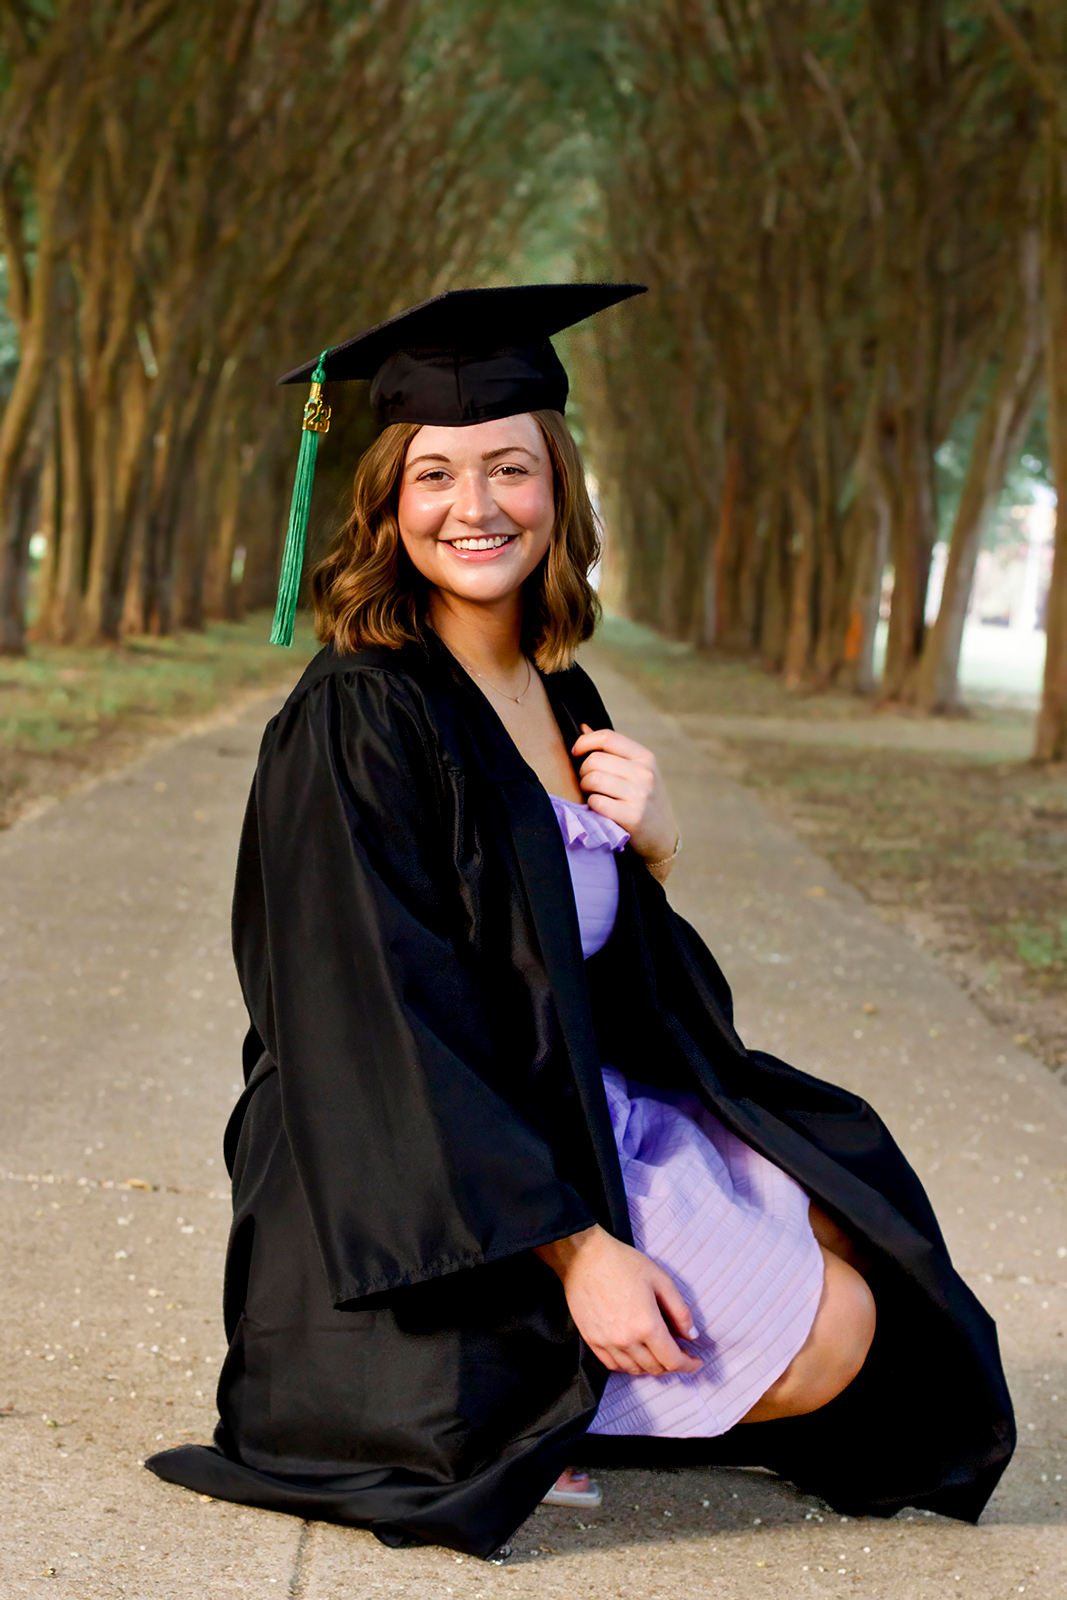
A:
574	1488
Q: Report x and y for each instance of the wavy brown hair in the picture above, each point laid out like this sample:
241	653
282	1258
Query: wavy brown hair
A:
367	591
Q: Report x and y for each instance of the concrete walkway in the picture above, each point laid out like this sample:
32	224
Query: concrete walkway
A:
119	1028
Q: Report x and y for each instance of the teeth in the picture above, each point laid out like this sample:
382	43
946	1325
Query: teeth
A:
492	543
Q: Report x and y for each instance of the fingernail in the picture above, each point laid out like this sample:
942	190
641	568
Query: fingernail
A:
691	1334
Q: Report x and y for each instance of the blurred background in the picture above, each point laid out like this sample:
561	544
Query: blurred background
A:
826	444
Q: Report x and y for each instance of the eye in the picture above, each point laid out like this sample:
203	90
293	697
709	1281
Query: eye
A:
511	470
434	475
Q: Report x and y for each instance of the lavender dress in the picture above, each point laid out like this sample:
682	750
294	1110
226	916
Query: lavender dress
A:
730	1228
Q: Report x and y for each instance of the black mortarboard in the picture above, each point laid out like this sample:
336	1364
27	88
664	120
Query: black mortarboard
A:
470	355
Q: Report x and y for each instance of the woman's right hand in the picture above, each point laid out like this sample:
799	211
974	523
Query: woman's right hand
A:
624	1306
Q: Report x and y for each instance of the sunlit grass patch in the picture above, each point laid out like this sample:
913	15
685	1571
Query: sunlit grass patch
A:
60	697
66	712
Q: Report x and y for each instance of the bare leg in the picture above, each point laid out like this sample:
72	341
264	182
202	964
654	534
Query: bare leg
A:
834	1350
836	1240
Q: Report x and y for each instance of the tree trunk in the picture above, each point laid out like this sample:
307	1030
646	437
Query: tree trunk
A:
1051	738
34	316
828	626
96	620
727	549
64	619
911	543
798	638
866	537
753	560
136	459
51	491
180	594
221	598
999	435
14	554
774	598
14	433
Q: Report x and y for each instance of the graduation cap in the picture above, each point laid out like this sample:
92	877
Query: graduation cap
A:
467	356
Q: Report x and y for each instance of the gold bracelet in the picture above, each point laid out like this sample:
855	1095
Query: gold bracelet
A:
666	859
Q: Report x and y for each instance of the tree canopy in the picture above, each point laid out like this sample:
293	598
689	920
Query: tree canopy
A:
850	214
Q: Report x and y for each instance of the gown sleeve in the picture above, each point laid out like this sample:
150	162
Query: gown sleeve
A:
345	918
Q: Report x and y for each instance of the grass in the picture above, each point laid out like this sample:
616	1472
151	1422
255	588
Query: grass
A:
66	713
967	849
1040	948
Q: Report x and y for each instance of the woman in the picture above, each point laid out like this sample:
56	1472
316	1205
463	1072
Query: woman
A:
504	1174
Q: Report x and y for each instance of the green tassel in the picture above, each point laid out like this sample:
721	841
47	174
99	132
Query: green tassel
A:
316	421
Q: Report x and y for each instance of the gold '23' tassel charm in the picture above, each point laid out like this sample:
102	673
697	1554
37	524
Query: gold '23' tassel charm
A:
317	413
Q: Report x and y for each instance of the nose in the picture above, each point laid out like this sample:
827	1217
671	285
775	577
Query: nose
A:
474	504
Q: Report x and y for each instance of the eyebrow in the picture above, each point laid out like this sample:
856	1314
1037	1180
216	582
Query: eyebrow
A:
489	455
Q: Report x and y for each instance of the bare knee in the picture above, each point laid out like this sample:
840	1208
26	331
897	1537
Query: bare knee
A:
834	1351
843	1328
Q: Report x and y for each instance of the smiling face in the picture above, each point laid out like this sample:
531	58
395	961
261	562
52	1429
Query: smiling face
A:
477	507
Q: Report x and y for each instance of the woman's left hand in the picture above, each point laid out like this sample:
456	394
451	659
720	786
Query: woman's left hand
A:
622	781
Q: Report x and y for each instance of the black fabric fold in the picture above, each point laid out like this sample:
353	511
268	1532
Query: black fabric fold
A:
390	1062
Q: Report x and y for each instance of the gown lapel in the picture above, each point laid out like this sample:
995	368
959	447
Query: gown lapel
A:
546	877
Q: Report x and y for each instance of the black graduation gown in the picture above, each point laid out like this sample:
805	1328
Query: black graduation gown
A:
424	1105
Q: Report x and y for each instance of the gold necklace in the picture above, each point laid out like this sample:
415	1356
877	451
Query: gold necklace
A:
516	699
